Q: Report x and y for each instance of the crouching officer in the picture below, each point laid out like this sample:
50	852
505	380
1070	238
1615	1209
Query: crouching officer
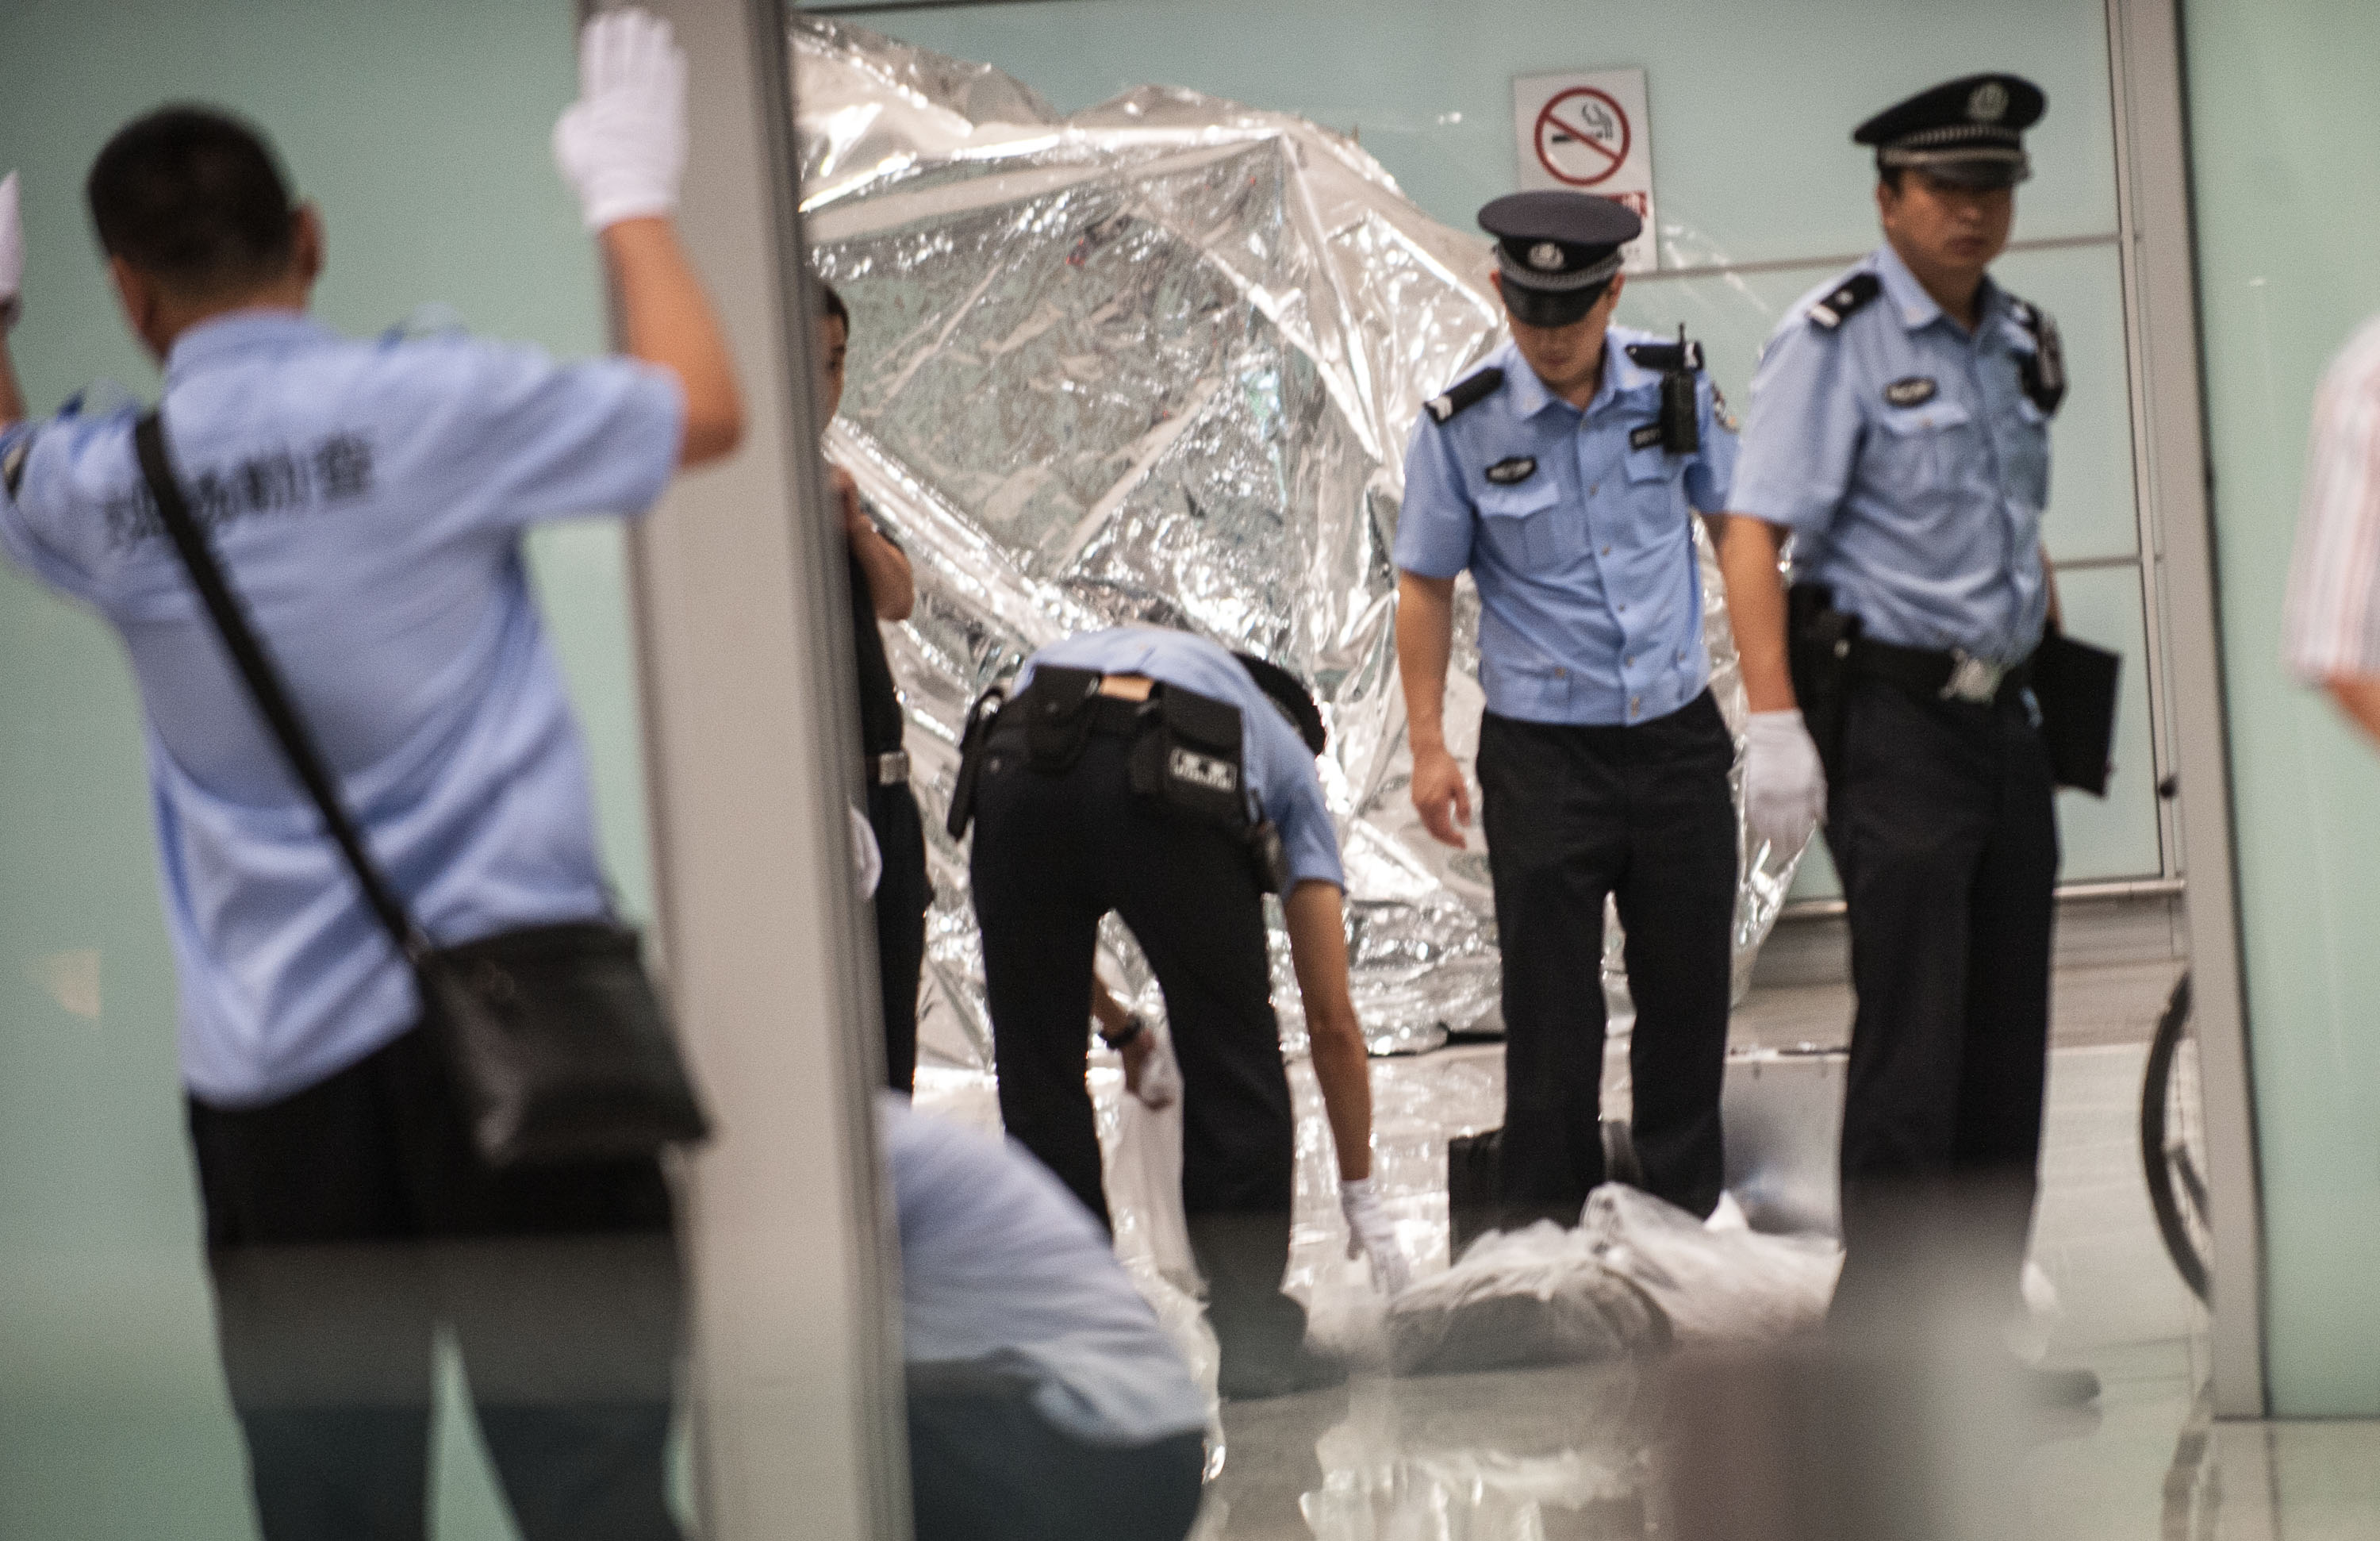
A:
1564	475
1899	434
1147	772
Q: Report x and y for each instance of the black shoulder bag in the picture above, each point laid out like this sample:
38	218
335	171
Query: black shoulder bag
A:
555	1040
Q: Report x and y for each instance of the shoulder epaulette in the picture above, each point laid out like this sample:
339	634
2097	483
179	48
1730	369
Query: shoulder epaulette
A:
1844	300
1464	393
2045	373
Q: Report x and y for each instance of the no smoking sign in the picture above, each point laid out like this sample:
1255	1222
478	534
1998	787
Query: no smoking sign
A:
1589	131
1582	137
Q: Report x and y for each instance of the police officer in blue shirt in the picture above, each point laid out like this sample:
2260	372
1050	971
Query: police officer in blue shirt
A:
369	500
1899	436
1565	476
1152	773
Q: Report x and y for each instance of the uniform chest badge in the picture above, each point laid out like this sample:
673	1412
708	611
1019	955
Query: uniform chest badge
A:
1645	437
1519	467
1915	389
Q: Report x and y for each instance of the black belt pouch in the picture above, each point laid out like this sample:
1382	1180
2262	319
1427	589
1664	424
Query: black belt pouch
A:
981	717
1189	759
1058	720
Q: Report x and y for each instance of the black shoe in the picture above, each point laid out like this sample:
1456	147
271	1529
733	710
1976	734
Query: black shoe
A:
2059	1389
1244	1380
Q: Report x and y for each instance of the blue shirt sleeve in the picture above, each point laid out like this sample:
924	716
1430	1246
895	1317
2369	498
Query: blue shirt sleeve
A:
1435	528
1803	438
1293	798
1712	476
548	440
37	463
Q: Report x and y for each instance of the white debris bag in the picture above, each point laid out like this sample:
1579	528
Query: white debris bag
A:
1715	1285
1534	1297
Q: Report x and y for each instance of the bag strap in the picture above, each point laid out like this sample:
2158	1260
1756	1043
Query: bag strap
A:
264	687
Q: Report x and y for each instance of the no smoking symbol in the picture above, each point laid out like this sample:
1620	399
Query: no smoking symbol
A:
1582	137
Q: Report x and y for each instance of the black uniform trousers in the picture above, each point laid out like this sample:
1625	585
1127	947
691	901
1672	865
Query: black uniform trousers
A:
345	1222
1944	833
903	896
1643	814
1053	854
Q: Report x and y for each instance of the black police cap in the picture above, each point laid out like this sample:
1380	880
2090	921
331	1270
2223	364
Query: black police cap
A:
1290	695
1970	130
1557	250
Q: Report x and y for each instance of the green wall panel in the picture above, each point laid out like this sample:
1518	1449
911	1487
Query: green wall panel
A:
2284	132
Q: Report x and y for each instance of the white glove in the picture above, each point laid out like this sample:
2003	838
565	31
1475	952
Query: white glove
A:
1784	784
12	254
866	856
1159	1081
622	145
1369	1232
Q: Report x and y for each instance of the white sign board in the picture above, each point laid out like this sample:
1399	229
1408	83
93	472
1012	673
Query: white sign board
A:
1590	131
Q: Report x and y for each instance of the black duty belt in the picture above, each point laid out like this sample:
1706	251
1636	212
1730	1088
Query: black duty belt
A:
1948	677
889	768
1112	716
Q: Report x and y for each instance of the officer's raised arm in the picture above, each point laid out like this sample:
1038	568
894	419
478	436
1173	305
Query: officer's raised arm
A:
622	148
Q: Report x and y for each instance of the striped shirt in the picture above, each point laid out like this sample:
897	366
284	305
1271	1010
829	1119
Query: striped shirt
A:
2332	624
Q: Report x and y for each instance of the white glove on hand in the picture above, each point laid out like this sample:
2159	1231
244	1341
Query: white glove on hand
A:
866	856
1369	1234
12	254
1784	784
622	145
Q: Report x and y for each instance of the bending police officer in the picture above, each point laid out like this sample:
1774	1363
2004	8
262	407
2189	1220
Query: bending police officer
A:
1147	772
1564	476
1899	434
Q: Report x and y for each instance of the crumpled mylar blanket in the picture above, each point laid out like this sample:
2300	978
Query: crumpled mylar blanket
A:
1157	362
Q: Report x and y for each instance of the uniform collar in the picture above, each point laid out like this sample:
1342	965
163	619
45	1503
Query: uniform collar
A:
1917	308
242	334
1620	373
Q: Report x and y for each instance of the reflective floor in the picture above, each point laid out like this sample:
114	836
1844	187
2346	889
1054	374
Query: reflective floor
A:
1571	1452
113	1422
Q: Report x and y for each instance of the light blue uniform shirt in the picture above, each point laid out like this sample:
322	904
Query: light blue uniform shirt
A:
368	500
1276	766
1923	515
1002	1266
1590	598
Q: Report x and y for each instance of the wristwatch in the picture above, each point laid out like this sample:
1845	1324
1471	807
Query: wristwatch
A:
1133	1028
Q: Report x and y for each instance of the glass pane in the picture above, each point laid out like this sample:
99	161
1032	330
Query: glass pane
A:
1015	304
422	135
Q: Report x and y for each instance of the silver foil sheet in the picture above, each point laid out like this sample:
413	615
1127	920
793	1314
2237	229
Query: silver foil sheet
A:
1157	361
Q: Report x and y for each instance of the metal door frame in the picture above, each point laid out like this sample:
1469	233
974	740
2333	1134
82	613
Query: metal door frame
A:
2170	473
752	759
